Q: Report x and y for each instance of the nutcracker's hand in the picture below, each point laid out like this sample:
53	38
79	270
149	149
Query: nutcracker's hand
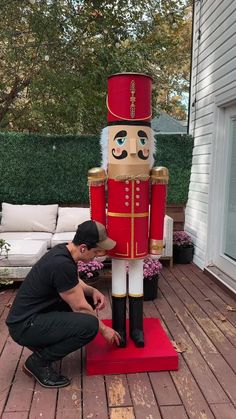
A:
155	256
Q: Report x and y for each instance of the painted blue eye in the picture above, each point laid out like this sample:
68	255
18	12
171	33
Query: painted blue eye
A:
121	141
143	141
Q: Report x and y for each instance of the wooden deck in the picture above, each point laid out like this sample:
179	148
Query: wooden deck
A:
196	313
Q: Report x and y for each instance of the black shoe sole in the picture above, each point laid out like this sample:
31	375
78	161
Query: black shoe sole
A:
139	344
28	372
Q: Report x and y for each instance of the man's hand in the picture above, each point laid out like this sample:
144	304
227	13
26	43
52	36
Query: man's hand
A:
98	299
110	335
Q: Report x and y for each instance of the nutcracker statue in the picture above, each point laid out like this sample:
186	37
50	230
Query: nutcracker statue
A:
136	195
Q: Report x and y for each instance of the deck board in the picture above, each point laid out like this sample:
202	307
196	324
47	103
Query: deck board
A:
194	301
143	397
69	405
122	413
173	412
118	393
22	389
210	346
192	348
195	313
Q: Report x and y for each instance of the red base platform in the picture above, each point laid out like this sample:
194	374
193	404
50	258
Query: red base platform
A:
157	355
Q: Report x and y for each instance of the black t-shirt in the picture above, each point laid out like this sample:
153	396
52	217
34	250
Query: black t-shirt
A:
55	272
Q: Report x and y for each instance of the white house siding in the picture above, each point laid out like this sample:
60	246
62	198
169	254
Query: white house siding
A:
213	73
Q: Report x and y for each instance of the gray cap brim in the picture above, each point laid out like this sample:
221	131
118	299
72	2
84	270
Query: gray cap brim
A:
107	244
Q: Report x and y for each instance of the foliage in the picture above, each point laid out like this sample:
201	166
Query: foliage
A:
4	282
175	153
89	269
40	169
56	57
151	267
4	249
37	169
181	238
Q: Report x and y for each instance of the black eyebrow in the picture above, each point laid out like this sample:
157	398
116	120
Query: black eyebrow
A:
120	134
142	134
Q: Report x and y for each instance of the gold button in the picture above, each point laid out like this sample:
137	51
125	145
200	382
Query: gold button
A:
137	196
138	182
126	204
126	196
126	189
127	182
137	189
137	204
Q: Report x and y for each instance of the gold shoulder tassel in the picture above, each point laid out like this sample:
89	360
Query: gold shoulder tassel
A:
159	175
96	176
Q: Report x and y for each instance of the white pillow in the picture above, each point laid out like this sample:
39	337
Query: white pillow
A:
29	217
70	218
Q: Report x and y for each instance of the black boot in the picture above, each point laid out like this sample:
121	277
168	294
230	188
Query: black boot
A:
42	371
136	320
119	318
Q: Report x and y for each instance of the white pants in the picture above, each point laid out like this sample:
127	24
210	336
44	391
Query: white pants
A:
119	277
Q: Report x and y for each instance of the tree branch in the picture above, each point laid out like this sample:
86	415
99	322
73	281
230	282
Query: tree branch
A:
18	86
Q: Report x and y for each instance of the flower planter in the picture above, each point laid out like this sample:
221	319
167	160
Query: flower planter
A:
150	286
89	271
89	280
183	254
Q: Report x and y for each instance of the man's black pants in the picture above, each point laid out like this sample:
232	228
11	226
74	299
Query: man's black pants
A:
57	333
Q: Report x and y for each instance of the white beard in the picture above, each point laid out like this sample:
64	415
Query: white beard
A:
104	147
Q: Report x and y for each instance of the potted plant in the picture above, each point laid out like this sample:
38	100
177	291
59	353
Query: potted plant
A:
151	272
183	247
4	249
89	271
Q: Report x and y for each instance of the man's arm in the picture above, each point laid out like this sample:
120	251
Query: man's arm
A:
97	296
88	290
76	299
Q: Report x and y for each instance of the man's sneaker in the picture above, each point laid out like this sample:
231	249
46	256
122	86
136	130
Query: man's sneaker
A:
43	372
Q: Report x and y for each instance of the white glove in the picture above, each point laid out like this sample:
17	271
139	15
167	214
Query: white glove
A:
154	256
101	258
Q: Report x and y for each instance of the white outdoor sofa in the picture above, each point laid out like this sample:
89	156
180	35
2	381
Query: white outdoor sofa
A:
31	230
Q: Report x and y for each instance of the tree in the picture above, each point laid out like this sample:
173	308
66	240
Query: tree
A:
56	56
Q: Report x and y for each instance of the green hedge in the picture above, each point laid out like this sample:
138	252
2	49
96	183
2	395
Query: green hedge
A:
38	169
175	153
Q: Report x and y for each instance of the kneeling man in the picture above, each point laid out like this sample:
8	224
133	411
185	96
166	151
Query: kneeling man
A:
53	312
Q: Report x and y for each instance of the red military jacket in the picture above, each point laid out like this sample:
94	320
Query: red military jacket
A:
136	231
127	218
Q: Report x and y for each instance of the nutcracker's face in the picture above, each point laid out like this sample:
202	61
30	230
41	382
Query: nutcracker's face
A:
130	147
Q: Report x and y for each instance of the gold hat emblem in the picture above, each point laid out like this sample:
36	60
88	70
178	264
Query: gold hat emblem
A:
132	98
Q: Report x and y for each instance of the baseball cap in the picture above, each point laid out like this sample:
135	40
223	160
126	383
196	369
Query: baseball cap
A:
93	233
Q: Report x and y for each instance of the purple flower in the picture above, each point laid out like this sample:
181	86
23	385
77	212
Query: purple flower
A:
90	268
181	238
150	267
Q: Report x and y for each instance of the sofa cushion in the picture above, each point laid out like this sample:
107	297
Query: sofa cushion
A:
27	235
28	217
59	238
24	252
70	218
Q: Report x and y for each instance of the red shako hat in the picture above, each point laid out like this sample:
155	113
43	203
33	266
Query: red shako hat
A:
129	98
